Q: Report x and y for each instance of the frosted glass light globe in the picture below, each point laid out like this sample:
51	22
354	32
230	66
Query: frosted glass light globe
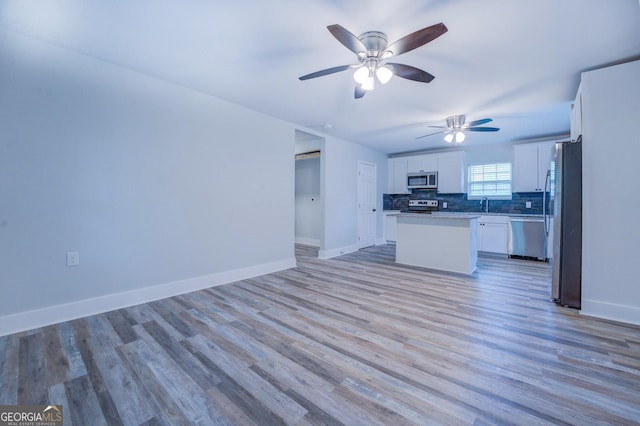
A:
361	75
384	74
368	84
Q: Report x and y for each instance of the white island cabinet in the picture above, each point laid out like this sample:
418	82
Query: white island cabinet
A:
390	225
444	242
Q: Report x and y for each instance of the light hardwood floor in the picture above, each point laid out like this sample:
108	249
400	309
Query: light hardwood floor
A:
351	340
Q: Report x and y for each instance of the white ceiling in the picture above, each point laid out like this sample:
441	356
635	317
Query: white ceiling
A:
517	62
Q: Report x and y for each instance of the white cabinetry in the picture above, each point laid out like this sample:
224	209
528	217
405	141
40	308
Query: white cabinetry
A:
576	116
492	234
390	225
422	163
451	172
449	165
397	183
531	162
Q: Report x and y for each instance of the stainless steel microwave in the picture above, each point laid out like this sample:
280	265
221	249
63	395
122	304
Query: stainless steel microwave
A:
422	180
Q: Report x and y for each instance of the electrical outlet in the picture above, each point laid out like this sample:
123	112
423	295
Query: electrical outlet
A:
444	204
73	258
528	204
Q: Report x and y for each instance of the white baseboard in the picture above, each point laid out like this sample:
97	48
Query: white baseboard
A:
308	241
328	254
610	311
29	320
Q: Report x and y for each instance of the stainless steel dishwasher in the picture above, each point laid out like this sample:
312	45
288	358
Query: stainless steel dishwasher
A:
527	238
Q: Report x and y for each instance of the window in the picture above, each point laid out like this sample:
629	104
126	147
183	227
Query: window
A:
490	180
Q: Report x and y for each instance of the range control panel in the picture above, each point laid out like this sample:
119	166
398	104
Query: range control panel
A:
423	203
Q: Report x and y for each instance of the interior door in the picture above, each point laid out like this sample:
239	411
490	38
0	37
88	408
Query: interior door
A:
367	211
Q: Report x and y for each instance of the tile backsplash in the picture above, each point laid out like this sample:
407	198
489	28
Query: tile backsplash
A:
459	202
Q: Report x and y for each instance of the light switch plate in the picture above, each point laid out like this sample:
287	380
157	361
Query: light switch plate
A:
444	204
528	205
73	258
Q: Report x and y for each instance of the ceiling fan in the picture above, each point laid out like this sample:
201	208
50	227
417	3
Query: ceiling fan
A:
373	51
455	128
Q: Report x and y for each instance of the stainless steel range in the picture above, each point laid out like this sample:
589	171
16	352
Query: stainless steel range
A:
423	206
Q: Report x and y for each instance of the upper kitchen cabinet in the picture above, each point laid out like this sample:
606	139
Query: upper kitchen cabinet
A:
397	178
451	172
422	163
576	116
449	165
531	162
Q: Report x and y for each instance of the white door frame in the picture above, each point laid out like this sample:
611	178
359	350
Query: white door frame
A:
367	203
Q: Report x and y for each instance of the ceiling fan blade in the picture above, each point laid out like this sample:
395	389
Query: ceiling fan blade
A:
478	122
416	39
349	40
439	127
411	73
359	92
327	71
482	129
431	134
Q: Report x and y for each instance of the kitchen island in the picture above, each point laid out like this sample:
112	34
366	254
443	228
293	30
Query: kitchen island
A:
438	241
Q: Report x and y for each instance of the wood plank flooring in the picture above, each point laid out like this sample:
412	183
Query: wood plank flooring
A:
355	340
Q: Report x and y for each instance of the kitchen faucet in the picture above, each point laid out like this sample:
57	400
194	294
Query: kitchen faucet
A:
486	205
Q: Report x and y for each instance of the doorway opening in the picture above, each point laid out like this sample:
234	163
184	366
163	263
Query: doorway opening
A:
309	205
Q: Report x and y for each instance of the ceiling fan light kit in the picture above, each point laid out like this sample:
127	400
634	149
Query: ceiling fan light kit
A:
375	43
364	75
458	135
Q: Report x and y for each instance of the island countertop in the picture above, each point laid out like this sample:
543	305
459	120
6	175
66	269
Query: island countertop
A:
455	213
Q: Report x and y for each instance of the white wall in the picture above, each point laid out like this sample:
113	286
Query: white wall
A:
611	199
484	154
340	189
308	202
157	186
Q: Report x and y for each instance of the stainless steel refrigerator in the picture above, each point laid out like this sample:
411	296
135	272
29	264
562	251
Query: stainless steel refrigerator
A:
565	200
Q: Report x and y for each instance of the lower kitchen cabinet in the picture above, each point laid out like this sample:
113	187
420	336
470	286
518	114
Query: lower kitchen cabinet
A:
493	234
390	225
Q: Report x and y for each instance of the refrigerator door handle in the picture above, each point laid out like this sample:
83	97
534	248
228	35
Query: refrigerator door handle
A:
547	218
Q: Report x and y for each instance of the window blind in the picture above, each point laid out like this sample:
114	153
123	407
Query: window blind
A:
490	180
